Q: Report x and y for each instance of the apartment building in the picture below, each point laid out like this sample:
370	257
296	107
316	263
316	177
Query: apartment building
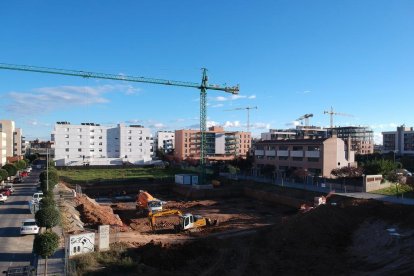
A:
319	156
165	140
220	144
361	138
18	143
8	127
401	142
3	149
93	144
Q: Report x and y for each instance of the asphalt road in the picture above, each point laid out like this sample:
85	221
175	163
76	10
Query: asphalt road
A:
16	250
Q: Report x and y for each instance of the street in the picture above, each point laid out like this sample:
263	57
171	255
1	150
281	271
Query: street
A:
16	250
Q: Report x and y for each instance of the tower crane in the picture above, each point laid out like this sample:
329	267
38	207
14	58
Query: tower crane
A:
306	118
203	87
332	113
248	108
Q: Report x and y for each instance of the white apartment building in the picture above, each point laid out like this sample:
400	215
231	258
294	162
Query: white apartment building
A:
8	127
165	140
3	150
93	144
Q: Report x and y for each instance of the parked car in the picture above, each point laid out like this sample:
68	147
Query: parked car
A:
28	227
17	180
37	197
24	174
3	198
5	192
10	187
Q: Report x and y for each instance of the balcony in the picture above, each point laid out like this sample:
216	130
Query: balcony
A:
259	152
296	153
270	153
313	154
283	153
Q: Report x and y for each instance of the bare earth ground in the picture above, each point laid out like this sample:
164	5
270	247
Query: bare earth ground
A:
354	237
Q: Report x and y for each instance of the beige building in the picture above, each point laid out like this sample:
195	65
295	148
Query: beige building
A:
7	127
17	142
220	144
318	156
3	142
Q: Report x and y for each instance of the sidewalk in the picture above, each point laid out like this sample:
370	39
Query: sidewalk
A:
362	195
55	264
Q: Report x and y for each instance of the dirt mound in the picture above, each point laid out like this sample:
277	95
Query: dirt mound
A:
94	214
318	242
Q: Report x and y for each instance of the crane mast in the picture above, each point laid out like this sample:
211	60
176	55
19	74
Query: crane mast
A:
248	108
332	113
203	87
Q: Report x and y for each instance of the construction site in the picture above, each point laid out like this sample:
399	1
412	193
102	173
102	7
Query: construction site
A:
245	228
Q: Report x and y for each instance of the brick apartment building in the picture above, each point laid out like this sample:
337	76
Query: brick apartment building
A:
319	156
220	144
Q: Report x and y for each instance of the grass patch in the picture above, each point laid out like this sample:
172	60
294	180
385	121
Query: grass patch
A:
116	260
403	189
92	174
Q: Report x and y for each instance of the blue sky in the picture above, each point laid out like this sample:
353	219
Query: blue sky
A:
289	57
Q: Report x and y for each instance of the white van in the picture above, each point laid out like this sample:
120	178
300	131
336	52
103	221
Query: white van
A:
37	197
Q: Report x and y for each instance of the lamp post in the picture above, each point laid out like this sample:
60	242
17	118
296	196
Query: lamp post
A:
47	170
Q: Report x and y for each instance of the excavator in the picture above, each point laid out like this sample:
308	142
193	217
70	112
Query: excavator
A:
146	203
186	221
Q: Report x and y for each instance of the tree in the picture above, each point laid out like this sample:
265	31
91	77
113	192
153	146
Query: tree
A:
4	174
47	201
32	157
11	169
48	182
20	165
47	217
379	166
45	245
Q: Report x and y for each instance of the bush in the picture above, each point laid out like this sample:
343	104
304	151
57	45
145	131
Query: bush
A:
47	202
45	244
21	164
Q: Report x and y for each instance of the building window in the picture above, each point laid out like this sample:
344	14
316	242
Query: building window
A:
100	137
313	159
79	136
92	137
283	158
66	143
92	150
79	150
100	150
297	158
100	143
92	130
129	131
129	137
80	143
66	135
129	144
79	130
67	149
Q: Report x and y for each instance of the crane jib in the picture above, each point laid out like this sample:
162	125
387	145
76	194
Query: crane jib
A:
86	74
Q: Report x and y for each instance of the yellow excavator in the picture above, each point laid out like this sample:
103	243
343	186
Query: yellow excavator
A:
186	221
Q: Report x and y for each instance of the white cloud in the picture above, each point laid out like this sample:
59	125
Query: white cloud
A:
157	125
388	126
232	124
217	105
260	126
292	124
212	123
49	98
36	123
233	98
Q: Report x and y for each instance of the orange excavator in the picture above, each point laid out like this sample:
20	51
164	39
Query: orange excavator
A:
146	203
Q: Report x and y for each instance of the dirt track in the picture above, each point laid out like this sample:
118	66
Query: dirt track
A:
361	237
